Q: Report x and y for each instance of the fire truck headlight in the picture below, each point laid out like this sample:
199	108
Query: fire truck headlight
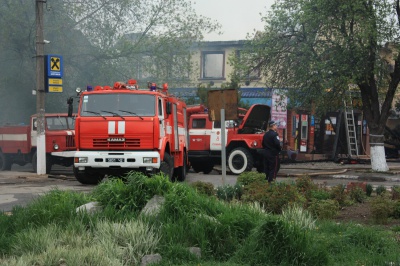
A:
150	160
255	143
81	159
55	146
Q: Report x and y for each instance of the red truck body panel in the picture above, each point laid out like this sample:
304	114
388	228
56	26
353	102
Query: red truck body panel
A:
14	139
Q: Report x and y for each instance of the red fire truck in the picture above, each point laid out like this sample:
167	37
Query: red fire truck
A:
18	142
243	140
123	128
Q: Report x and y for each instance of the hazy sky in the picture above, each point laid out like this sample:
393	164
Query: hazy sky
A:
237	17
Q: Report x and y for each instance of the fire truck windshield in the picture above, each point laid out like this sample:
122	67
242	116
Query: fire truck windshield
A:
118	104
60	123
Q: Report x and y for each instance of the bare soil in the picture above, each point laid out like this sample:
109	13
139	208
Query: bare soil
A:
360	213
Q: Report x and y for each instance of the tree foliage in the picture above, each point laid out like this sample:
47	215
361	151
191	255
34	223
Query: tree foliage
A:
318	48
312	47
101	41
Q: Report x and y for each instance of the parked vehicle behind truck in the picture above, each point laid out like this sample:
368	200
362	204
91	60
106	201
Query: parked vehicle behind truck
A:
124	128
18	142
243	140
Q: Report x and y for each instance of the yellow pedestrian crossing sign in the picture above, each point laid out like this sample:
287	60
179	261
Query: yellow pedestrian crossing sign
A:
54	66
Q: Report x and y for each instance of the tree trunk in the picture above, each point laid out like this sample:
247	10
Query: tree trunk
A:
378	157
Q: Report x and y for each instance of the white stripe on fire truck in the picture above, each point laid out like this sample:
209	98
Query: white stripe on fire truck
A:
181	131
14	137
199	132
111	127
121	127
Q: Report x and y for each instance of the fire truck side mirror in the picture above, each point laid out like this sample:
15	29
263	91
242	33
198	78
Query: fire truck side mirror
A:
70	107
168	108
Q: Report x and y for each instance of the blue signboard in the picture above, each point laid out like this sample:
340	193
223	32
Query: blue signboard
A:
54	66
312	122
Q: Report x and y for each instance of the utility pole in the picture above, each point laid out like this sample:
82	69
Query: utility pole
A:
40	92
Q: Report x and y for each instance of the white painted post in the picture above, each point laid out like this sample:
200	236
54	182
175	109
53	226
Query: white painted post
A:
223	147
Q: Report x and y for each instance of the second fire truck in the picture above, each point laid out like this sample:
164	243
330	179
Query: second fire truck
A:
123	128
243	140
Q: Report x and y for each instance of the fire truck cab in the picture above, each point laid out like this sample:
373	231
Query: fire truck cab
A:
124	128
243	140
18	142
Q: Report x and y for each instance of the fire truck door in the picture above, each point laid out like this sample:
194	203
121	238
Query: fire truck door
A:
215	140
161	118
199	135
34	132
176	129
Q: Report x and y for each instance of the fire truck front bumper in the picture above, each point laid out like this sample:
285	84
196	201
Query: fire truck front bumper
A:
105	159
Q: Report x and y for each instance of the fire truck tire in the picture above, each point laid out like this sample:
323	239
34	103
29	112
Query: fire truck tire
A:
205	167
181	171
49	163
167	166
240	160
5	162
87	178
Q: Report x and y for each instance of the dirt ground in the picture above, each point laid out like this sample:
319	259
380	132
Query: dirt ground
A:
360	213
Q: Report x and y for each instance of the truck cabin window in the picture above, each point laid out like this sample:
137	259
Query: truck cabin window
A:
118	104
60	123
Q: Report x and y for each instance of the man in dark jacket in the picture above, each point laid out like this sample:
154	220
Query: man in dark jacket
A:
272	146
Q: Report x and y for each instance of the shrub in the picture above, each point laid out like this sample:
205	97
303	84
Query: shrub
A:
396	209
204	188
247	178
339	194
382	207
320	194
395	193
324	209
380	189
357	194
273	196
369	190
305	183
228	192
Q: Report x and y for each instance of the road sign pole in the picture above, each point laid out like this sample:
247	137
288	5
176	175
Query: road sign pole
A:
40	92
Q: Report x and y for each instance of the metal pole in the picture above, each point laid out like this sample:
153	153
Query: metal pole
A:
223	148
40	92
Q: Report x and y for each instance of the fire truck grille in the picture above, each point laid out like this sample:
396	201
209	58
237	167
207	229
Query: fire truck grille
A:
70	141
103	143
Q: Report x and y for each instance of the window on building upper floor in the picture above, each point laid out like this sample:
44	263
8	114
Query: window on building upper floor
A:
253	73
213	65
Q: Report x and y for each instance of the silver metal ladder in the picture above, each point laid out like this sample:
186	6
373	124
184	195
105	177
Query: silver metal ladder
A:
351	134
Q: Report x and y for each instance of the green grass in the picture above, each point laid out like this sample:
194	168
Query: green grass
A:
49	231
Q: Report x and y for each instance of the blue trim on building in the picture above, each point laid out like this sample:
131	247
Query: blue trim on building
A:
244	92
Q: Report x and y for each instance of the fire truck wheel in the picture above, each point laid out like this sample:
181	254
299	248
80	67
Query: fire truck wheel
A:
49	163
205	166
167	166
240	160
181	171
88	178
5	162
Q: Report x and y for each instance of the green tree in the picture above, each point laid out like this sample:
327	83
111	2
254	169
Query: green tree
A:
101	41
317	46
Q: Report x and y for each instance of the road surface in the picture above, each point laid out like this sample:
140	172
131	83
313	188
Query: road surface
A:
21	185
